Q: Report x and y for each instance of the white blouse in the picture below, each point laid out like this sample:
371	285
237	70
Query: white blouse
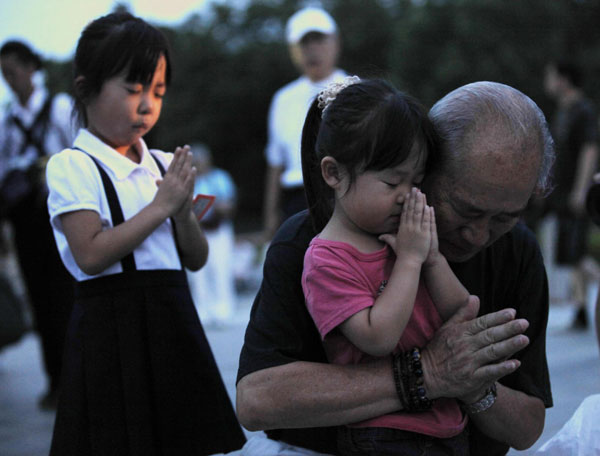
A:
75	184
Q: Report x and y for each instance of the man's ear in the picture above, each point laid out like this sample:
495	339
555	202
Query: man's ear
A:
332	172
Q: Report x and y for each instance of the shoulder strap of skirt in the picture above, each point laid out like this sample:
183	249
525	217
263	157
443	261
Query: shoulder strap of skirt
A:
128	261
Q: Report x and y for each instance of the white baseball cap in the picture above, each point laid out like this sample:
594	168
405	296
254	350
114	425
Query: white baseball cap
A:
309	20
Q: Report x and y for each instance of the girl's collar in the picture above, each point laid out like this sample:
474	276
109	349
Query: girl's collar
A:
120	166
135	153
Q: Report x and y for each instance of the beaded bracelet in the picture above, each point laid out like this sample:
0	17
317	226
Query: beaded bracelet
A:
408	379
418	400
398	380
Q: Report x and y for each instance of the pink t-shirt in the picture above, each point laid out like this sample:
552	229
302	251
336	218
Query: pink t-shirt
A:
338	281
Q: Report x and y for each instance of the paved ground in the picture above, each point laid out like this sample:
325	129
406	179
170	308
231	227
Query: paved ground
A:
25	430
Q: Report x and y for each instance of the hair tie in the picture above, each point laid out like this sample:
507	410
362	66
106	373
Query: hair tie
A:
328	94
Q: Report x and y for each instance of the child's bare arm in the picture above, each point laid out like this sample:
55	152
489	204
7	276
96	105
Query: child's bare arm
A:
192	242
95	249
376	330
446	291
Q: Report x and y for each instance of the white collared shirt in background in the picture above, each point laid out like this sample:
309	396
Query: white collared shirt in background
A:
286	119
59	133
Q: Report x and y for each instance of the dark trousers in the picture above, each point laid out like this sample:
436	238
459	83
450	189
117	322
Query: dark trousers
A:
571	244
48	284
386	441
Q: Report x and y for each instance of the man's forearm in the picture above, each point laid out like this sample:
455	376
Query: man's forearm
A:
464	357
516	418
302	394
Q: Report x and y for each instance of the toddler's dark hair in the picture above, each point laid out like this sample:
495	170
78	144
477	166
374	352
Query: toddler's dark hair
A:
112	44
370	126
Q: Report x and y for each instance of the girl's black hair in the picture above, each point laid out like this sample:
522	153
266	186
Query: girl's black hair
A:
370	126
23	53
112	44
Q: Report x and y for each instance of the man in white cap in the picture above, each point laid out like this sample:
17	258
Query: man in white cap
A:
314	48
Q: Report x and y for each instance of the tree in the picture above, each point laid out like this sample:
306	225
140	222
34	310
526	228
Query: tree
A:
228	62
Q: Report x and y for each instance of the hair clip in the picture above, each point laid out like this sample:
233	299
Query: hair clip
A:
328	94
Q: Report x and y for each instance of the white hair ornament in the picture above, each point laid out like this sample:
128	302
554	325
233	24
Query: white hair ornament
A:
328	94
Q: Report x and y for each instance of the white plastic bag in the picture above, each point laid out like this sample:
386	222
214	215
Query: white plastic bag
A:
260	445
580	436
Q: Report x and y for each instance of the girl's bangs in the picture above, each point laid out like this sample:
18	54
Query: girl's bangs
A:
143	66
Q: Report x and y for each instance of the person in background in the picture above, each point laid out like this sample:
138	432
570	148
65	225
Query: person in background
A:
213	286
575	131
597	318
312	36
593	210
35	125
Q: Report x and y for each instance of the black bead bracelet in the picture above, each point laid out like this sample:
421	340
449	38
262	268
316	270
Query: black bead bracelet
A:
416	389
408	378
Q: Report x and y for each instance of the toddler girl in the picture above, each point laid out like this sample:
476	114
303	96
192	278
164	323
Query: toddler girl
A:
372	276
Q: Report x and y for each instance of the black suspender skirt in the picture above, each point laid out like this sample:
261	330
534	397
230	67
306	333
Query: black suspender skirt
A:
139	376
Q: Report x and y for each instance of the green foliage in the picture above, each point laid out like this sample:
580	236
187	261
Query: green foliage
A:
226	72
228	63
59	76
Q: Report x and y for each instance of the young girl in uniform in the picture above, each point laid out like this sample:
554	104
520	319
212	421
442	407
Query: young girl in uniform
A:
366	146
139	377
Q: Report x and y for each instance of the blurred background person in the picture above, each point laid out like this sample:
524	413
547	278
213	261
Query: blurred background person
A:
314	46
575	132
34	125
213	286
593	210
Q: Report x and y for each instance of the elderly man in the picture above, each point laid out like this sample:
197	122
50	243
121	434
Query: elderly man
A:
496	153
312	36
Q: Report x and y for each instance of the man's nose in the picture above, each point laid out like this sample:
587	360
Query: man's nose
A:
477	232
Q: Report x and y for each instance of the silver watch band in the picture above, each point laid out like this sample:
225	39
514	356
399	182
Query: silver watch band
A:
482	404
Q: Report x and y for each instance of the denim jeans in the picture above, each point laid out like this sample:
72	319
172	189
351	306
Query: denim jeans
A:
385	441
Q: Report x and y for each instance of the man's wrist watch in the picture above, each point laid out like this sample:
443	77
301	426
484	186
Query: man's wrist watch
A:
482	404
